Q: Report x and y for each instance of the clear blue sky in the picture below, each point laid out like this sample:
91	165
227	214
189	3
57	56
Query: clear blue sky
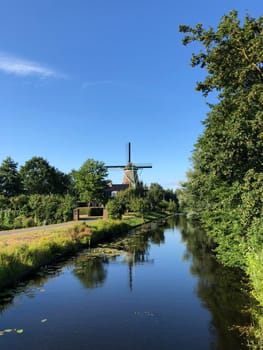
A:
80	79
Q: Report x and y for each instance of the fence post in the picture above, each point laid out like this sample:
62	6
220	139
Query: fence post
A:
76	214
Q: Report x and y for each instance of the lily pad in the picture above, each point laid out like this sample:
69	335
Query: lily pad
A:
19	331
9	330
44	320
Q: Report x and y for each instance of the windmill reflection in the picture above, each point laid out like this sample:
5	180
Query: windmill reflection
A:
90	267
138	249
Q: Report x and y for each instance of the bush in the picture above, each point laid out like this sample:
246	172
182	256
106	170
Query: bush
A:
115	208
29	222
140	206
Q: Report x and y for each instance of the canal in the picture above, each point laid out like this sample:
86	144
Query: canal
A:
158	288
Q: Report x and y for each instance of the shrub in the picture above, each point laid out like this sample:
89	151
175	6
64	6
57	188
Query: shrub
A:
29	222
115	208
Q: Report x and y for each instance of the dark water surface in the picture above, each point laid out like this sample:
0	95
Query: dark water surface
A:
165	292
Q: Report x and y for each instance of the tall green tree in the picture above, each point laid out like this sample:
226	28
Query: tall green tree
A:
155	195
230	149
90	181
140	206
10	180
233	57
39	177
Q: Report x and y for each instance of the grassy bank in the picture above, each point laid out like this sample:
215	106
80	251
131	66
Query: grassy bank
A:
255	272
23	254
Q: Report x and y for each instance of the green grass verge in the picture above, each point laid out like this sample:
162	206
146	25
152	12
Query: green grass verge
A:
255	272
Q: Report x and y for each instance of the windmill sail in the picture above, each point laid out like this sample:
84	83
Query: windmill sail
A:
130	176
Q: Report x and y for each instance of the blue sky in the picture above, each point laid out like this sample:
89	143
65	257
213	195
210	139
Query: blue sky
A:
80	79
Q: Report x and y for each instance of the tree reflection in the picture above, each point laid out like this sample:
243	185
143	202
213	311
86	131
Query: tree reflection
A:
139	244
91	271
221	289
157	236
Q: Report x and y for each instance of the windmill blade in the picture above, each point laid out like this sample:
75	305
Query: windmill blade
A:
129	152
142	166
115	166
130	177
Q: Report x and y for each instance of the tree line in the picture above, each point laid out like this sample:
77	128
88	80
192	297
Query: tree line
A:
38	193
143	200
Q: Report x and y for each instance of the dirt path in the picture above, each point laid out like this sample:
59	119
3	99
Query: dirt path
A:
40	228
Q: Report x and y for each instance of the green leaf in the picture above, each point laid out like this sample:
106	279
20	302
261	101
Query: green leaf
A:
19	331
44	320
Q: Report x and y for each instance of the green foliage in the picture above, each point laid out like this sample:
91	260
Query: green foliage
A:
10	181
115	208
224	187
155	195
141	206
232	55
4	202
125	197
18	260
171	196
169	206
36	209
142	202
39	177
255	272
89	181
65	208
252	198
106	230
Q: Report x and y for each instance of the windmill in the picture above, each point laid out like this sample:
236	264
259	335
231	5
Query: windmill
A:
130	176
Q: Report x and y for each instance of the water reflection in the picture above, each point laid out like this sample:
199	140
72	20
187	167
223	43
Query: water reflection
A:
90	267
91	271
222	290
157	314
30	287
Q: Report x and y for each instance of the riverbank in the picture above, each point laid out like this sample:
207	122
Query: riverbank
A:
148	289
23	254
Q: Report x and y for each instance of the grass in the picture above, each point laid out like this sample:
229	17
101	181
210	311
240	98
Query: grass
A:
255	272
22	255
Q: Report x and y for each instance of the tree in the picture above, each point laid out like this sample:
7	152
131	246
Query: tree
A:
61	183
233	140
227	158
39	177
10	181
155	194
140	206
90	181
115	208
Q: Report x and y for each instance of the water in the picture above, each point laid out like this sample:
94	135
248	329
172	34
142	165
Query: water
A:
166	292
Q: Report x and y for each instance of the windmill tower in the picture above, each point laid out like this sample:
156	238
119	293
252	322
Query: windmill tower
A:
130	176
